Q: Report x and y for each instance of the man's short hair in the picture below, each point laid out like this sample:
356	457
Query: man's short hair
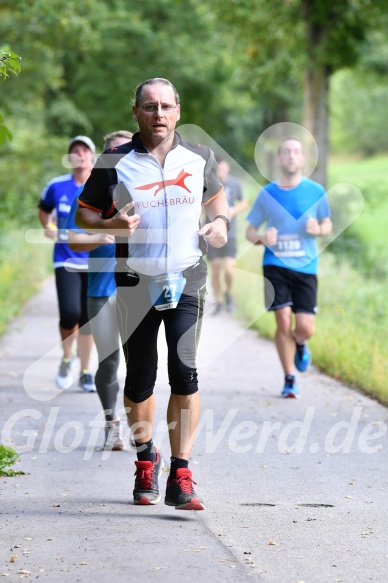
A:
286	140
154	81
109	138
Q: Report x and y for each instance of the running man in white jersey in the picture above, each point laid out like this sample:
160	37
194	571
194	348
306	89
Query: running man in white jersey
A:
150	194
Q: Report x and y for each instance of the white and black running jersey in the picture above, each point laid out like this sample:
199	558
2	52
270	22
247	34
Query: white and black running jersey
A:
168	199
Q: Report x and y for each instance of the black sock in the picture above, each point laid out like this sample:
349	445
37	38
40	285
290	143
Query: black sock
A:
146	451
177	463
289	377
300	347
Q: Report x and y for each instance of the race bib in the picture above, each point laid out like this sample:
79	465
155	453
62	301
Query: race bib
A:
289	246
165	290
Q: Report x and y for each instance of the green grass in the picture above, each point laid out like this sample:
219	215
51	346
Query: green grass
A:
364	242
351	328
23	266
358	171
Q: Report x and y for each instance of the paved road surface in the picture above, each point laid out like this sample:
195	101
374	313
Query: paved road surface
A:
295	490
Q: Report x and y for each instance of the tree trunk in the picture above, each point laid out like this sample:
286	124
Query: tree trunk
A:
316	118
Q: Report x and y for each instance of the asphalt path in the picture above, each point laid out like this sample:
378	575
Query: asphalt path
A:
294	490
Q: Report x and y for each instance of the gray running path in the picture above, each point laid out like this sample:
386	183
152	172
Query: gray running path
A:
295	490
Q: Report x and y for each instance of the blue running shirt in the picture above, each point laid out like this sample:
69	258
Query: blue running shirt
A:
287	210
59	194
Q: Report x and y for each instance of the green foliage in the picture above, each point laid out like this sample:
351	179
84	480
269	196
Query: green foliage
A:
81	64
239	67
142	40
281	40
63	117
8	457
358	104
335	32
93	55
42	32
26	165
268	36
374	55
5	134
9	63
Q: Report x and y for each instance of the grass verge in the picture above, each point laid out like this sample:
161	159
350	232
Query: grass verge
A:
22	268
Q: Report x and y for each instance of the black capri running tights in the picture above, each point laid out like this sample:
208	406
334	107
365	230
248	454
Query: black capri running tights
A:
139	325
72	288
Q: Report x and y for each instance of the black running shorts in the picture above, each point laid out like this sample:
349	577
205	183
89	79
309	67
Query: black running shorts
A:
228	250
286	287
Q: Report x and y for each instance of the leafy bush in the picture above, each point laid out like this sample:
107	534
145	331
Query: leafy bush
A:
8	457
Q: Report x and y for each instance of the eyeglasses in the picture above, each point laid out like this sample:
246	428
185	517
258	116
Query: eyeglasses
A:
154	107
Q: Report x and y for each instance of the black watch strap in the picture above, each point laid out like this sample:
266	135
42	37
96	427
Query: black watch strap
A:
224	218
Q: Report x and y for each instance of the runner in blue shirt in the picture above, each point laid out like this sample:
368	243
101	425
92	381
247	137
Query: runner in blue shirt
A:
70	268
102	308
295	211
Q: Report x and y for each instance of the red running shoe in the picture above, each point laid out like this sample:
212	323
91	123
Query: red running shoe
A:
180	492
146	489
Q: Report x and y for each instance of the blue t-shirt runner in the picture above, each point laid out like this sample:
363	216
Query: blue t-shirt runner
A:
59	195
288	210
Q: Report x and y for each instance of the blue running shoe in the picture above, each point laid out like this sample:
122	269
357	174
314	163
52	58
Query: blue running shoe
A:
302	357
290	390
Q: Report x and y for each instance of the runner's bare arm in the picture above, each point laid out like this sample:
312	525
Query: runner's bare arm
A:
88	242
268	238
120	224
216	231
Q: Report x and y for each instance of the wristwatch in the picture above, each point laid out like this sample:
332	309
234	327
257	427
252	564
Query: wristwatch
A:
224	218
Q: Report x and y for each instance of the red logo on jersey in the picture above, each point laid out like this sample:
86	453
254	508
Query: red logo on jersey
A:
178	181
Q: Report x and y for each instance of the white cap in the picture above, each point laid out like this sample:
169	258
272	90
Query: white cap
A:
84	140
